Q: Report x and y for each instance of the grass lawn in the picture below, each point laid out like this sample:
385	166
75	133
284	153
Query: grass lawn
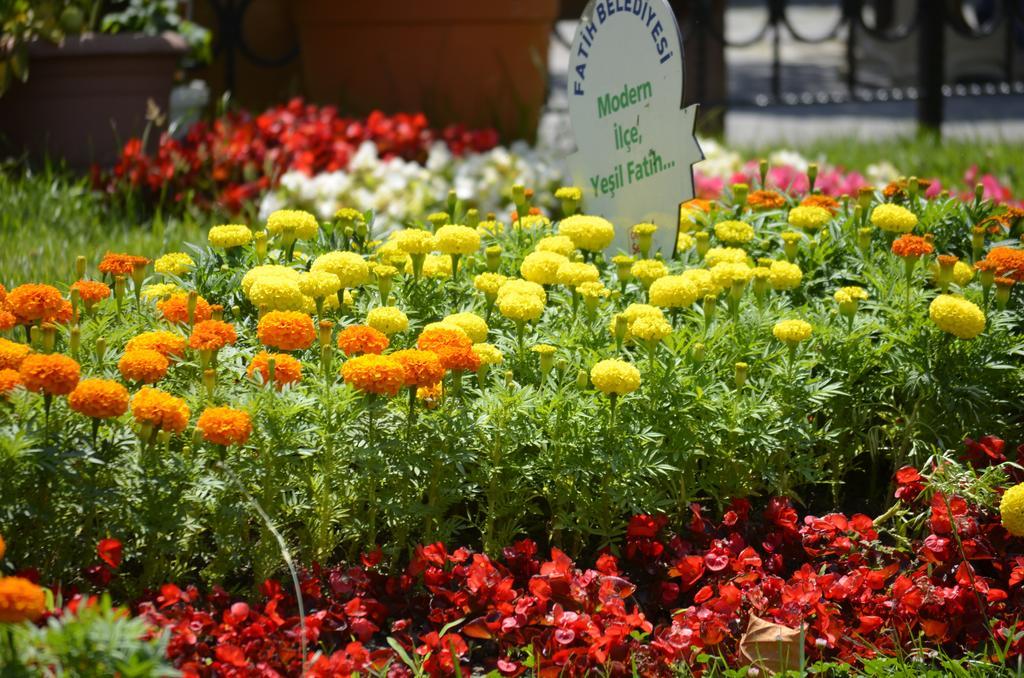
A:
49	218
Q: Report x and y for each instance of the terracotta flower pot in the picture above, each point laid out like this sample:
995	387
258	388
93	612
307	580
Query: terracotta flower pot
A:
85	97
479	63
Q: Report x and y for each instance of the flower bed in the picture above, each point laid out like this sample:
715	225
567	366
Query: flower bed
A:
302	392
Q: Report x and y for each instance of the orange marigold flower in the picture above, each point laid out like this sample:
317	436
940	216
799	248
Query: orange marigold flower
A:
356	339
35	303
175	309
287	370
64	314
99	398
947	259
286	330
908	245
91	291
698	204
422	368
823	201
3	547
765	200
9	380
1008	262
899	187
161	341
12	354
212	335
52	374
160	410
20	600
143	365
379	374
7	320
454	349
225	425
121	264
1005	282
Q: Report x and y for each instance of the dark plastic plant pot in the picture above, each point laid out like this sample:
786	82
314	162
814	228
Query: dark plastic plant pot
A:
86	96
482	63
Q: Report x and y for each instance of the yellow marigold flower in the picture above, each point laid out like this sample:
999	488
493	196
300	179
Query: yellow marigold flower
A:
704	281
520	286
99	398
791	237
615	377
319	284
542	267
153	407
376	374
415	241
12	354
456	239
445	325
957	316
488	354
391	254
304	224
809	217
489	283
225	426
52	374
650	328
673	291
734	232
593	290
490	227
430	395
852	293
684	242
20	600
632	313
1011	510
351	269
174	263
286	330
388	319
520	307
792	332
726	273
572	274
569	193
349	214
782	275
893	218
277	293
435	266
158	291
532	222
648	270
267	271
471	323
643	229
724	255
587	232
559	244
160	341
228	235
143	366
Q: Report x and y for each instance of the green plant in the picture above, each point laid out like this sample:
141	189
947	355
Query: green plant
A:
94	639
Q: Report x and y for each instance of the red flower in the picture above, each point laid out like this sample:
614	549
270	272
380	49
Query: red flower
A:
109	551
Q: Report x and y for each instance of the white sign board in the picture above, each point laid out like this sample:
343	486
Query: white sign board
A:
635	143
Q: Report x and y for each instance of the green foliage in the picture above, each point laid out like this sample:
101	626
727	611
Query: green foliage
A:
96	639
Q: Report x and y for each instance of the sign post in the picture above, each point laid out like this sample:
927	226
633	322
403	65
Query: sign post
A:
635	142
